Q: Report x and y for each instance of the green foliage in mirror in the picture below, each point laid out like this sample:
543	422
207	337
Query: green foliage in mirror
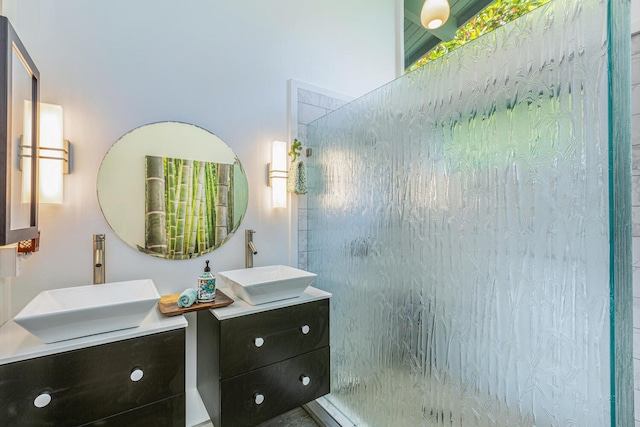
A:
190	206
172	190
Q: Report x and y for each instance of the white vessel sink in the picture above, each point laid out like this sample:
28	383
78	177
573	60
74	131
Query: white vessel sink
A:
66	313
261	285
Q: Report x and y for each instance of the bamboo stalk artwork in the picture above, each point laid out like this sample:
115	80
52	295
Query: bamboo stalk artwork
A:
156	237
222	202
189	208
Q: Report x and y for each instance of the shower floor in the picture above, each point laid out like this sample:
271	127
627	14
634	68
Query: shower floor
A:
295	418
364	400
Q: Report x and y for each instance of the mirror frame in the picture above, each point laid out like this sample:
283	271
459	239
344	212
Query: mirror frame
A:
9	156
122	174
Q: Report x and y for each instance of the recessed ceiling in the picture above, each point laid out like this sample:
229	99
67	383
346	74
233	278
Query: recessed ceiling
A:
418	40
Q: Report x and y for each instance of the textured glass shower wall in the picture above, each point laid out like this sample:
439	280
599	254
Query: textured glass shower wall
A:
460	217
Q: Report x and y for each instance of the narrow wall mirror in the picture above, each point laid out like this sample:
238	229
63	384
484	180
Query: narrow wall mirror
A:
19	93
172	190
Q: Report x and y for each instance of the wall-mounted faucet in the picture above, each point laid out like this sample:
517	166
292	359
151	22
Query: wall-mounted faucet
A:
249	248
98	259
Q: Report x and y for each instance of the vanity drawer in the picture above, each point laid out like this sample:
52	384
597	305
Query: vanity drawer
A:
256	340
166	413
93	383
279	385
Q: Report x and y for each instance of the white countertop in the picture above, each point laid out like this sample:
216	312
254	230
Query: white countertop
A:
17	344
241	307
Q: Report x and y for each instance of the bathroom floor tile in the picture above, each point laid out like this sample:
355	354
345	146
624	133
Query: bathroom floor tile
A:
295	418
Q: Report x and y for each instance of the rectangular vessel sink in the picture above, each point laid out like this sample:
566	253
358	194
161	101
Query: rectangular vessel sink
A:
67	313
261	285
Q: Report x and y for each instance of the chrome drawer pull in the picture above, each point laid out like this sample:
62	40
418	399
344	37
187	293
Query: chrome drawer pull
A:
42	400
259	398
305	329
305	380
258	342
136	375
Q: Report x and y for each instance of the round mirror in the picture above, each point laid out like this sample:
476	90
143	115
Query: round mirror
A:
172	190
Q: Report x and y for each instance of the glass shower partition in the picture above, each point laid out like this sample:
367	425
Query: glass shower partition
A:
471	220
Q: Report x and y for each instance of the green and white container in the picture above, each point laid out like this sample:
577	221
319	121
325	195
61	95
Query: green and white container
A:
206	285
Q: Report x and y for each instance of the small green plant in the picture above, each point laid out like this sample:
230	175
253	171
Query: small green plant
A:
295	150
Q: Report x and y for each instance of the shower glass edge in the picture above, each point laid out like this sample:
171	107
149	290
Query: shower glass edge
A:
620	189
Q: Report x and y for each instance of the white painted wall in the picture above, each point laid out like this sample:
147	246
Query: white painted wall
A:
115	65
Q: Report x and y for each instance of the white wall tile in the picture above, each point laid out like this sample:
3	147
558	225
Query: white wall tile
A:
302	133
635	157
635	65
302	219
635	211
311	105
635	190
635	46
308	113
311	98
302	260
327	102
636	403
635	125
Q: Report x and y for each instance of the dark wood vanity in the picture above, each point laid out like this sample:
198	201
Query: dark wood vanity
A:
123	379
255	366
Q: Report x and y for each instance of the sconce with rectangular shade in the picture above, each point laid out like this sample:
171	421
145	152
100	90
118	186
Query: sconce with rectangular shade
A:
278	174
54	155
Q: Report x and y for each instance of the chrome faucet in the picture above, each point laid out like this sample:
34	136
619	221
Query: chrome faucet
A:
249	248
98	259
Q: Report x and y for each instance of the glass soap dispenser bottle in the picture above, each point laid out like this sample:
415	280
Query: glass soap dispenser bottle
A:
206	285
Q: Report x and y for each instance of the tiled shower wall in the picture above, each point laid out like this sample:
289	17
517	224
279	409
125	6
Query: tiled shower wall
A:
635	129
312	104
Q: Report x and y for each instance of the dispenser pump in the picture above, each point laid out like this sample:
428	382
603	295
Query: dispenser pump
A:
206	285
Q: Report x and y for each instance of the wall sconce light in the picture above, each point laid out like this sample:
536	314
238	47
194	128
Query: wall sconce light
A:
278	174
434	13
54	155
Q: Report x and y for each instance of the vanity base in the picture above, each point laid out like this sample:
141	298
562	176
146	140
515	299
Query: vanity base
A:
255	367
102	385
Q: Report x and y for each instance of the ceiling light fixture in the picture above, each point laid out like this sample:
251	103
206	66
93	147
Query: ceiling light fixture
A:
434	13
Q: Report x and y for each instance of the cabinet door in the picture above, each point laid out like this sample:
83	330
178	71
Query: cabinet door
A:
262	394
81	386
257	340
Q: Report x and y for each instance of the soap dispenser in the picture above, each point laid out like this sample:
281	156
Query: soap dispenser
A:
206	285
